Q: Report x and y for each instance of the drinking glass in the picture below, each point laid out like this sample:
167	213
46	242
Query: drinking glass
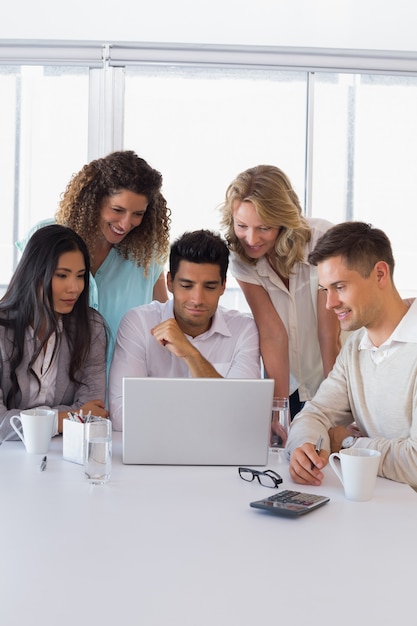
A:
280	424
97	450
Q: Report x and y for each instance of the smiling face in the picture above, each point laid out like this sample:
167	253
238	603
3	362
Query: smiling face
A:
354	299
256	237
120	214
196	288
68	281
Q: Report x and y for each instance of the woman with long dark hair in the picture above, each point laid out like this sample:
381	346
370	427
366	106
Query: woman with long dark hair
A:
52	344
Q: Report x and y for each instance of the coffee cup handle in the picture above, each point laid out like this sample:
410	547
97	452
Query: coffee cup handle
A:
334	467
15	428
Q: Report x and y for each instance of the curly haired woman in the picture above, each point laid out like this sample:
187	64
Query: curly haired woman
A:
115	204
270	241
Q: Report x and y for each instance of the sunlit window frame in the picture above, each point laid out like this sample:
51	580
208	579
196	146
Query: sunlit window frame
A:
107	62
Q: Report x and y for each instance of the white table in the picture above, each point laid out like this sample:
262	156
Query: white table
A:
181	546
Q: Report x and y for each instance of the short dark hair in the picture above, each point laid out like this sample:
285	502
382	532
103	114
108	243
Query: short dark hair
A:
199	246
359	244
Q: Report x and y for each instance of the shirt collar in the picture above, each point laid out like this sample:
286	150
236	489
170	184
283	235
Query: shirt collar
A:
405	332
218	324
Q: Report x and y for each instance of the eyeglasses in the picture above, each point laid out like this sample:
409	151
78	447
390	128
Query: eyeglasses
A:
268	478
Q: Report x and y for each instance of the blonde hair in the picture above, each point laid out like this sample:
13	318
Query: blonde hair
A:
278	206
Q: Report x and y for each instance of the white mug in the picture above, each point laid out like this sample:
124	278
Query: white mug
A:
37	425
359	469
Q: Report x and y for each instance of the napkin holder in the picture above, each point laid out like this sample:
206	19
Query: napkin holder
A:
73	441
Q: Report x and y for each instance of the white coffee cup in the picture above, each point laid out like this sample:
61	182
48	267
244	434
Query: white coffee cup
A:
37	425
359	469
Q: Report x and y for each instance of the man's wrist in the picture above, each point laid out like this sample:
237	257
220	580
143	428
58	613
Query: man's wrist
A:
337	435
191	354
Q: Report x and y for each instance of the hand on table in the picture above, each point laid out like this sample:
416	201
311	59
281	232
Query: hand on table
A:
96	407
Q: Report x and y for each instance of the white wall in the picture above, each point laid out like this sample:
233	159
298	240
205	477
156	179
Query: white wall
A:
363	24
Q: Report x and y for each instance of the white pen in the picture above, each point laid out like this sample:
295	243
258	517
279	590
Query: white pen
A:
43	464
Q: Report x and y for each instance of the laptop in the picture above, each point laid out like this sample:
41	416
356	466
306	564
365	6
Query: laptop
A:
196	421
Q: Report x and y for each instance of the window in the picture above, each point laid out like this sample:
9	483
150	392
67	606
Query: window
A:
202	127
365	158
342	127
44	137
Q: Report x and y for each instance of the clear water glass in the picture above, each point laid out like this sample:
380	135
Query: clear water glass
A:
97	450
280	424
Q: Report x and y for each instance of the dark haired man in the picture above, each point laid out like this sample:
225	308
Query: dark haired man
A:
190	335
369	399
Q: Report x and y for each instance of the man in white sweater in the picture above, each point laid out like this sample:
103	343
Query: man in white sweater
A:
369	399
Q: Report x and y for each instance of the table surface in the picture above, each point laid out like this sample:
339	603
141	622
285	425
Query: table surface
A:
180	545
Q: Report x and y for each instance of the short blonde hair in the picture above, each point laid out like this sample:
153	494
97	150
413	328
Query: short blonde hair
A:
278	206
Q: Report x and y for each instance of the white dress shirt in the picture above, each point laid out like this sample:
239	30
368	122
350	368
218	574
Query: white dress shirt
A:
46	369
405	332
231	345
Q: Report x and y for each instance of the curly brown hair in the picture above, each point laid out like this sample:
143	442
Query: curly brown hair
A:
82	201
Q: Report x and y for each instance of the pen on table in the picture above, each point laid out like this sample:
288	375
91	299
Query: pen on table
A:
43	464
317	448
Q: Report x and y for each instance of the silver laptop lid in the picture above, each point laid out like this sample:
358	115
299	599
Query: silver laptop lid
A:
196	421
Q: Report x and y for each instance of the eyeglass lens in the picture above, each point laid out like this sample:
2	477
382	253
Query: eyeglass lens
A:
267	481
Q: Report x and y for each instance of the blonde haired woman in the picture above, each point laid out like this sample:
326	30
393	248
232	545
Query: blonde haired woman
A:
270	241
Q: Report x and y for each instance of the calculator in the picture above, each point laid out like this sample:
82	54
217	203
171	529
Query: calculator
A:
291	503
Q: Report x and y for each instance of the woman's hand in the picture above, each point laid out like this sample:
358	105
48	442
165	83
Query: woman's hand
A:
96	407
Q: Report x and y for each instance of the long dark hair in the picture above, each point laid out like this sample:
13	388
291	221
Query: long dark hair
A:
28	301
